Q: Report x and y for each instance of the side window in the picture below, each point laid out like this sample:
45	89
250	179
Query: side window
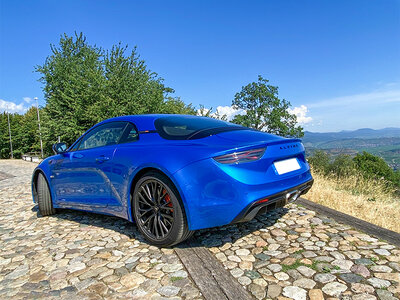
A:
103	135
130	134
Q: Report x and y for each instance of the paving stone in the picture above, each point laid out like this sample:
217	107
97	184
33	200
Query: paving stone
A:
360	270
385	295
278	232
381	269
275	267
334	289
383	252
295	293
262	256
244	280
257	291
343	264
273	291
351	278
168	291
316	294
378	283
324	277
363	297
252	274
364	261
306	271
361	288
305	283
237	272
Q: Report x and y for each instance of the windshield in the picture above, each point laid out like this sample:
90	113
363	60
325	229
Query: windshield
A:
191	127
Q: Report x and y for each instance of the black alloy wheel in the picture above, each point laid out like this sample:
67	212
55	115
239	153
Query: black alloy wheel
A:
158	211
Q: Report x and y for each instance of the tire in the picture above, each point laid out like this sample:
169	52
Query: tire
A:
44	198
151	213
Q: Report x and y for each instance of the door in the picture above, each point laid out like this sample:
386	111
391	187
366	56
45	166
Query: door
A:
81	177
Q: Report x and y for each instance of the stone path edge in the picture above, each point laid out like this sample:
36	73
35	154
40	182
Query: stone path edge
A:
364	226
209	275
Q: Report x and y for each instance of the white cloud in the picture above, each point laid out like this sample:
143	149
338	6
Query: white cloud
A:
27	99
229	111
222	111
301	114
12	107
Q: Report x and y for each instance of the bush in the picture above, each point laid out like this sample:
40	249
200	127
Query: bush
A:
342	166
5	153
374	167
320	161
17	154
365	165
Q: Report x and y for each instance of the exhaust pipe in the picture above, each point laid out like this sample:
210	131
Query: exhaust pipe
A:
292	196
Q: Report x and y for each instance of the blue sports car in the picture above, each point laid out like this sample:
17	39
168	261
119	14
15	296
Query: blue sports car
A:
172	174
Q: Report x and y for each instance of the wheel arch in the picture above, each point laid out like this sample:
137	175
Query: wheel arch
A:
140	174
35	176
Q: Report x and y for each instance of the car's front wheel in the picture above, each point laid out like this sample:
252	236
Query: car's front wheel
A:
44	197
158	212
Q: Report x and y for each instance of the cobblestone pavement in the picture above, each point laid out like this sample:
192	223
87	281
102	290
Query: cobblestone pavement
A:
294	253
78	255
13	172
290	253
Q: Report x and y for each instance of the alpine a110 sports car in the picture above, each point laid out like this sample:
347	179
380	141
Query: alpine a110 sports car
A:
172	174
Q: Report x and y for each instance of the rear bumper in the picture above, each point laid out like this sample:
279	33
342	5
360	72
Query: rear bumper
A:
212	197
274	201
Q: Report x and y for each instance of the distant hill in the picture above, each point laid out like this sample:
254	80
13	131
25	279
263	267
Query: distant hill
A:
383	142
363	133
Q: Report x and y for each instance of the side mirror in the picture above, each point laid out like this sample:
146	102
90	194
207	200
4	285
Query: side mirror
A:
59	148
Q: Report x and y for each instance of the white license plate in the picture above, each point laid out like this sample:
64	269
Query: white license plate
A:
286	166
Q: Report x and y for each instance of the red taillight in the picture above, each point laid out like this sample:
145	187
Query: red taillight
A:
241	157
262	200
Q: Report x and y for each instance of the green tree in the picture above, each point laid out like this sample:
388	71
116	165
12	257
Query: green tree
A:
83	84
4	139
130	87
73	83
177	106
264	110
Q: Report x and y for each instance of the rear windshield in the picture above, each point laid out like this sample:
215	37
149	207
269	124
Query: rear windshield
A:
191	127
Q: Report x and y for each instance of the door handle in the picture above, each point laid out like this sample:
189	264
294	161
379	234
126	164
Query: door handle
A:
102	159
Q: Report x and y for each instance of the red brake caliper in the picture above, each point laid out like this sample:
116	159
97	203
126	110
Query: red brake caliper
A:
167	199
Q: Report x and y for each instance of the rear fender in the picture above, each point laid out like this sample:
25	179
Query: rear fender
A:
161	170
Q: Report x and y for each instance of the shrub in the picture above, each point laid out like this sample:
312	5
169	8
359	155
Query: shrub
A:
342	166
367	167
374	167
17	154
320	161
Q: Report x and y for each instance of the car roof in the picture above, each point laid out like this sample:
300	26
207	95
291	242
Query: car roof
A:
144	122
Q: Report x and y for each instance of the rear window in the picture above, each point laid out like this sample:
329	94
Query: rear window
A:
191	127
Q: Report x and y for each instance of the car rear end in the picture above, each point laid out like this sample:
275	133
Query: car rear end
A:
235	185
232	172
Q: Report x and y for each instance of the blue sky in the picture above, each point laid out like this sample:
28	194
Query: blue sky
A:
337	62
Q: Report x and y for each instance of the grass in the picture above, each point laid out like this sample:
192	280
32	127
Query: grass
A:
293	266
173	278
350	196
152	265
297	264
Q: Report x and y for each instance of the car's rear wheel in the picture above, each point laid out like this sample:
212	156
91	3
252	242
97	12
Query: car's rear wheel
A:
44	197
158	211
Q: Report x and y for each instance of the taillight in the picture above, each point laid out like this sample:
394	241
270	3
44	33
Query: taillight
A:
241	157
